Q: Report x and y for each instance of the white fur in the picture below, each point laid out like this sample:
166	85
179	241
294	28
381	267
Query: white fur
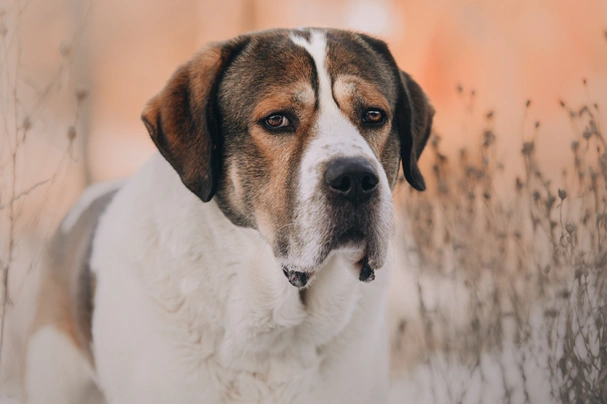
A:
56	371
192	309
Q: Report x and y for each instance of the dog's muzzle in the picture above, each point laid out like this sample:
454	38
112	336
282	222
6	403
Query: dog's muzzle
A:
351	186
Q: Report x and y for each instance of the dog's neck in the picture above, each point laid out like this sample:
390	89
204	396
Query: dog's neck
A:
259	310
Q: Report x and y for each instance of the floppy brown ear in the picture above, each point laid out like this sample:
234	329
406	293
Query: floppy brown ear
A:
415	115
183	121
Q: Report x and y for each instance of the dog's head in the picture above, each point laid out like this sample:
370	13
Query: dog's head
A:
298	134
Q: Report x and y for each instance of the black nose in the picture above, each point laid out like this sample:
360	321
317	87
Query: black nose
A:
352	178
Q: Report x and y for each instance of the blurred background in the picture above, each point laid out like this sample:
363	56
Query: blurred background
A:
122	52
75	75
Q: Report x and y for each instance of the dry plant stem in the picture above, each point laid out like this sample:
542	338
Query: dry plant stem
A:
16	135
543	253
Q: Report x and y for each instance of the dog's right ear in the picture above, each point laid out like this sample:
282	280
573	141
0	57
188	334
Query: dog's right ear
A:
183	121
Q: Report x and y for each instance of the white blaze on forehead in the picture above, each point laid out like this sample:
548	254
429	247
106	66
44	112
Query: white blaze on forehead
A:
317	48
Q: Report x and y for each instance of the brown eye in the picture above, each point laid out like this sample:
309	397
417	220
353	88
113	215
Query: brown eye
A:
373	116
277	121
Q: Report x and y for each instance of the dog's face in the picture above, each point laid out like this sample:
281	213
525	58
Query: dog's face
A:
298	134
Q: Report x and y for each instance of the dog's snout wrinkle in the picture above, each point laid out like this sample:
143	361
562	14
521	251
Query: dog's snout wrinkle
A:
354	179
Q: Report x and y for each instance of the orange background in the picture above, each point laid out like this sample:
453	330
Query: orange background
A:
506	51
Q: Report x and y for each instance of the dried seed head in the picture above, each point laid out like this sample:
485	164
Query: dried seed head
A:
459	88
584	81
27	124
71	133
562	194
575	145
65	49
562	103
537	124
81	94
489	114
489	137
527	148
570	227
592	126
587	133
551	313
528	103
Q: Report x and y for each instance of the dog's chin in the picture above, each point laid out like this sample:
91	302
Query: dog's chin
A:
351	245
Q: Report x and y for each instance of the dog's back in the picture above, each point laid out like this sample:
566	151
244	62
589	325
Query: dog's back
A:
60	338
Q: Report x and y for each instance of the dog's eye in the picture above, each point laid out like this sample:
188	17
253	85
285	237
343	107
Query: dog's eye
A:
277	121
374	117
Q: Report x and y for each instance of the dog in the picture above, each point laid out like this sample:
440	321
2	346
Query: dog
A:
228	269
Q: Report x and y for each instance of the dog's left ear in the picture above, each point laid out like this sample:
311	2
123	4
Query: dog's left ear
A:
183	121
414	116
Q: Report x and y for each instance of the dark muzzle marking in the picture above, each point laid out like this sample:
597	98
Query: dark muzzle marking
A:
367	274
300	279
296	278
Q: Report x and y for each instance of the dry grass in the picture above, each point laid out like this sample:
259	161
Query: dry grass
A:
529	264
38	116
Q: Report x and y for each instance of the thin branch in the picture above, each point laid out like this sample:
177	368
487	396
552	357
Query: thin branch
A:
24	193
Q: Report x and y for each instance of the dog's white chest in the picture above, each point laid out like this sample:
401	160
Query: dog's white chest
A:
199	319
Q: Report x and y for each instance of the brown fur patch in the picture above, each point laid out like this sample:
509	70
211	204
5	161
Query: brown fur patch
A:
182	118
67	285
354	95
271	76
